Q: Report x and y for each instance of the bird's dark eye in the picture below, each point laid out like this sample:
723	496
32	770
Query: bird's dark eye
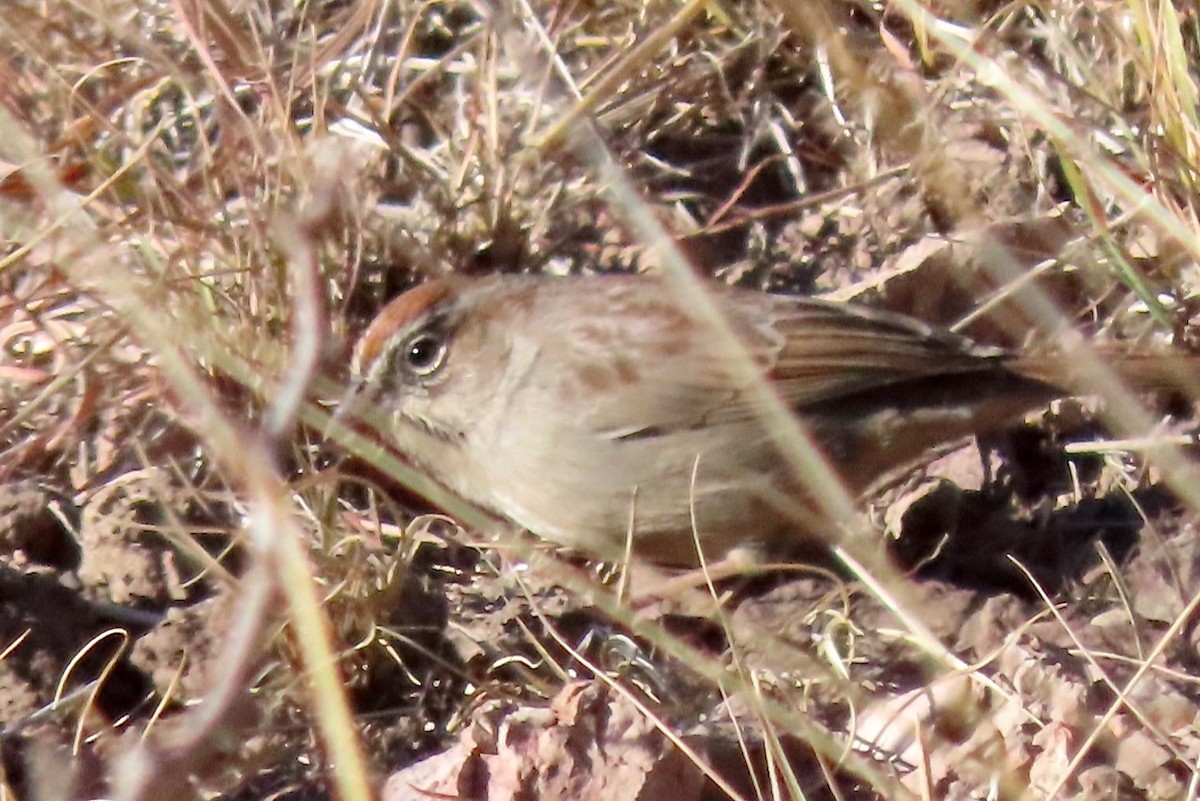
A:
424	353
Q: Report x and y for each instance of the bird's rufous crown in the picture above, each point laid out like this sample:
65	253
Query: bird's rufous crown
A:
396	316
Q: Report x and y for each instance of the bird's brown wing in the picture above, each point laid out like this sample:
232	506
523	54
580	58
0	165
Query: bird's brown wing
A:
817	351
877	391
810	351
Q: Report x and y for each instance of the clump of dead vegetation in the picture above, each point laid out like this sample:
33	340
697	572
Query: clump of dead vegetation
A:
203	203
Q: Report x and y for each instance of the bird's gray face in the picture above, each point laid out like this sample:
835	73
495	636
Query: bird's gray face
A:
408	378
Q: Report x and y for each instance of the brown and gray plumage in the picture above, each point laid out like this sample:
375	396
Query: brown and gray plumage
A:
580	408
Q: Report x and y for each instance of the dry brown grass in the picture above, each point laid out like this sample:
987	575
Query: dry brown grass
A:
202	203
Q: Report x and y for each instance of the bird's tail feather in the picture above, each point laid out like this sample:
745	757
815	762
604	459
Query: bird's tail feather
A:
1139	372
